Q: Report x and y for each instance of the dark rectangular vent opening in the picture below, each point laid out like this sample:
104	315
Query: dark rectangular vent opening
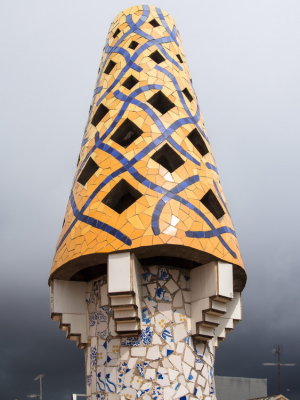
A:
168	158
196	139
127	133
179	58
133	45
157	57
109	67
154	23
122	196
130	82
99	114
116	33
161	102
88	171
188	94
212	204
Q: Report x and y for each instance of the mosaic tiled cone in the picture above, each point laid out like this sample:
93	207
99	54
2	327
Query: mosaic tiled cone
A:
146	178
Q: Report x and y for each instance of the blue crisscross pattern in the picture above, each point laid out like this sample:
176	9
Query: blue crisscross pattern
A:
85	206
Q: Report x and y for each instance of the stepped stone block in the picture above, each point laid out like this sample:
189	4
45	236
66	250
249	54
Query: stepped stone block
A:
124	290
68	306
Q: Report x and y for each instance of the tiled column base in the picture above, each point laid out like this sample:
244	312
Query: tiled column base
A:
162	362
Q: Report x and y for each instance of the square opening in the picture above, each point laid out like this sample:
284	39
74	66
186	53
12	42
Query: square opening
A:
161	102
109	67
157	57
117	31
88	171
133	45
188	95
127	133
196	139
130	82
122	196
179	58
212	204
99	114
168	158
154	23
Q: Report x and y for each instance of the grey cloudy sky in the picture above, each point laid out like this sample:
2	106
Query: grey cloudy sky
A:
245	62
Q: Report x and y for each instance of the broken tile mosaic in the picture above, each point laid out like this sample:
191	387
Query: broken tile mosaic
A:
146	129
142	365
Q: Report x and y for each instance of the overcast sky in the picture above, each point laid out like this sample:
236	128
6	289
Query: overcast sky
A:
245	62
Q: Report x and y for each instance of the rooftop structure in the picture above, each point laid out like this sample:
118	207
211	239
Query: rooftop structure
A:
147	273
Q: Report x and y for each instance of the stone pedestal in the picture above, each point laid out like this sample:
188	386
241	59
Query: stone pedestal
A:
162	362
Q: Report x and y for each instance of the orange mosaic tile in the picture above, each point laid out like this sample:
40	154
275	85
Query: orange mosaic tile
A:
146	177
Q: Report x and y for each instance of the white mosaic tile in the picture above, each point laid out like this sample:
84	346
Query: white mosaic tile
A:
180	332
154	364
156	339
169	393
151	304
171	286
191	387
166	310
193	376
138	351
177	301
153	269
180	316
132	362
159	364
137	382
104	296
176	361
182	391
153	353
166	363
186	370
173	374
201	381
189	356
152	289
161	322
175	274
206	389
124	353
144	291
150	374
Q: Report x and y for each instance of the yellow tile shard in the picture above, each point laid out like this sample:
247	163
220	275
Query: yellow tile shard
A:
146	179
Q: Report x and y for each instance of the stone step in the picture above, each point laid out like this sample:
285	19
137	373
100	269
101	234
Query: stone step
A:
122	300
126	327
203	330
125	307
209	320
221	299
131	313
218	306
